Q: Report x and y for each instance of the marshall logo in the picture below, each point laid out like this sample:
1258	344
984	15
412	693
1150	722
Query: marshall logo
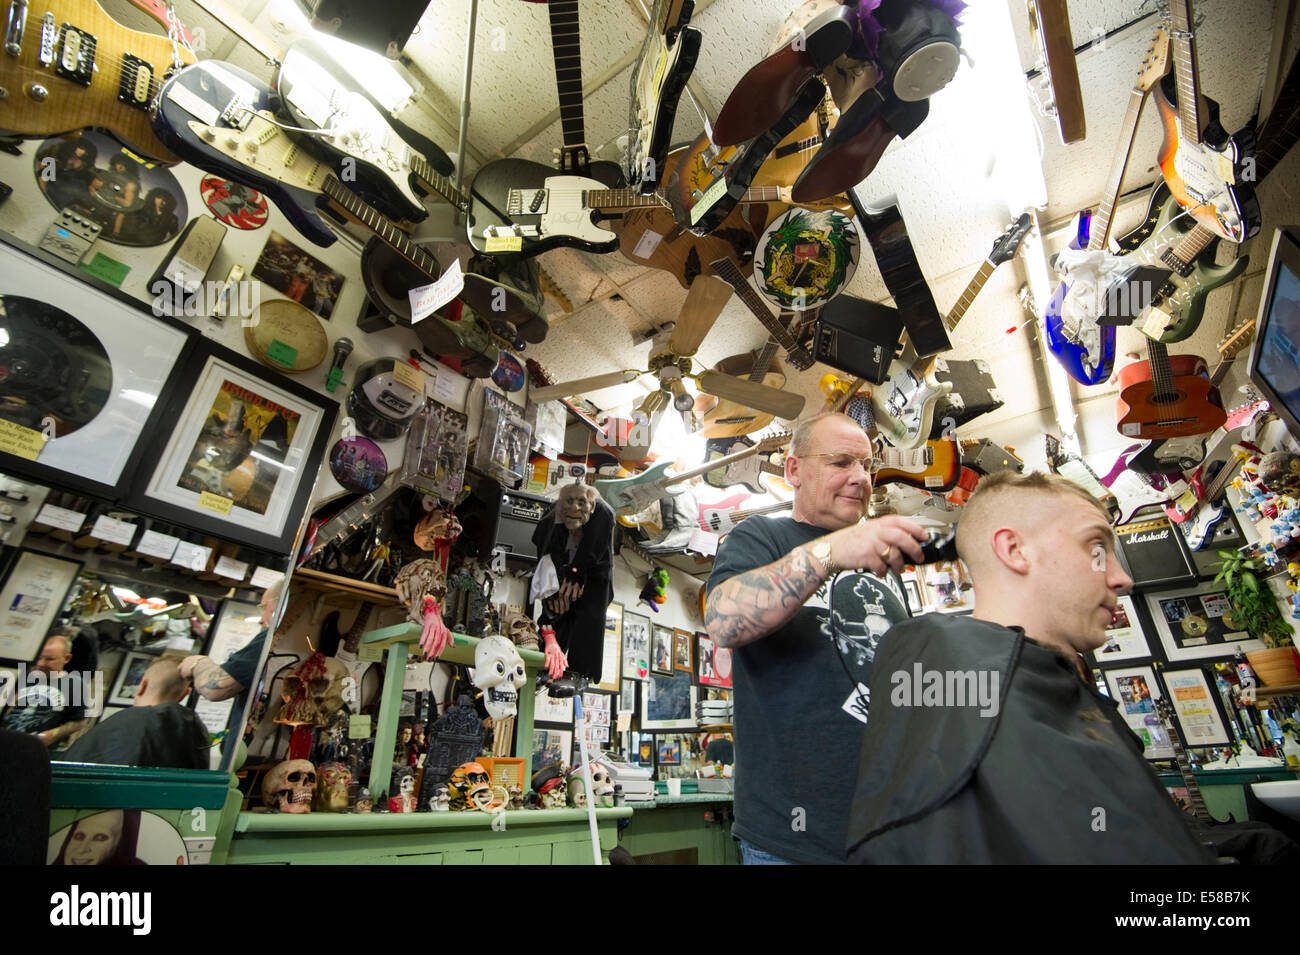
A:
1149	536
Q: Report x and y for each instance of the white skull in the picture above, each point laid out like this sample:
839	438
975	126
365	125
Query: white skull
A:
499	673
289	787
602	784
555	797
522	631
577	791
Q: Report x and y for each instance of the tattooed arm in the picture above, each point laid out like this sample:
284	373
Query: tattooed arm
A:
752	605
210	681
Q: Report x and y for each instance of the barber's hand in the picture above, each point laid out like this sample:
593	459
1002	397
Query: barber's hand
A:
879	545
187	665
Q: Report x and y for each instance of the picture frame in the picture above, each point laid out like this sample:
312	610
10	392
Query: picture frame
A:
550	709
597	716
1198	708
30	600
668	702
661	657
712	663
1135	690
1125	637
1190	622
550	745
241	461
636	646
8	686
668	750
683	659
627	696
128	678
143	354
611	660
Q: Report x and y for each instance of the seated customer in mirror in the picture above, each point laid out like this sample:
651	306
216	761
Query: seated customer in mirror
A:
51	706
154	731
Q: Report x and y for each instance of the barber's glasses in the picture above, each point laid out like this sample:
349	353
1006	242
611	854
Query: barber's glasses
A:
846	462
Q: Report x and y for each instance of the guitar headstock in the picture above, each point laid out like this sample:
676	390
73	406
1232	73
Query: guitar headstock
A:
1165	710
1237	339
773	442
1155	64
1006	245
573	160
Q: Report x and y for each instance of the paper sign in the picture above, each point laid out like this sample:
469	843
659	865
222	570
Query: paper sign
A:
228	567
60	517
504	243
444	387
646	245
153	544
21	442
191	555
107	270
264	577
711	195
359	726
409	376
282	354
1157	322
370	653
427	299
215	502
112	530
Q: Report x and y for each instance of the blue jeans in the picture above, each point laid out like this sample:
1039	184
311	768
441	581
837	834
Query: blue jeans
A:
753	855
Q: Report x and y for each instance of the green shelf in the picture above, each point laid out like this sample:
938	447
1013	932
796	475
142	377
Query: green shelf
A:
461	650
412	821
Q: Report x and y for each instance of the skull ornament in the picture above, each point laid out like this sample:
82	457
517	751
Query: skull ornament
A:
602	785
470	787
555	794
522	631
332	787
313	693
404	801
499	673
289	786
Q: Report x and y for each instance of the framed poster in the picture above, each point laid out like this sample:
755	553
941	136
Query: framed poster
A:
1196	623
550	709
611	660
551	746
596	717
670	751
241	459
636	646
87	367
31	599
661	658
1197	707
713	662
682	640
129	675
1124	637
668	702
1136	690
627	695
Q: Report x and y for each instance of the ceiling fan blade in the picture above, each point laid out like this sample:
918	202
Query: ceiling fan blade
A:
583	385
704	303
773	401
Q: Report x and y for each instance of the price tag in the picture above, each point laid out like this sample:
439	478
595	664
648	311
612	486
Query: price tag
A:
107	270
444	387
229	567
370	653
215	502
21	442
153	544
359	726
1157	323
264	577
409	376
191	556
504	243
427	299
114	531
646	245
60	517
282	354
711	195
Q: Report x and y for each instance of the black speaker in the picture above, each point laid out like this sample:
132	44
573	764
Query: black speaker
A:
382	27
858	337
496	517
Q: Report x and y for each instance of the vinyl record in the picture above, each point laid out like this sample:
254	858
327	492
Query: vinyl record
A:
53	369
137	203
233	203
358	464
805	258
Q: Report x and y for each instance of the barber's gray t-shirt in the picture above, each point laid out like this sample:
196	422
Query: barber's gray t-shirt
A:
799	716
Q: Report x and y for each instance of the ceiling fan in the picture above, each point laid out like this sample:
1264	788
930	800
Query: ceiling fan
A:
670	362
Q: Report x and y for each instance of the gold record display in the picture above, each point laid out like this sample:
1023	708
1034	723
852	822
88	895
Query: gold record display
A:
286	336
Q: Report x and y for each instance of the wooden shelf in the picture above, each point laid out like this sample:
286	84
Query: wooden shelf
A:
718	728
1292	689
332	583
461	651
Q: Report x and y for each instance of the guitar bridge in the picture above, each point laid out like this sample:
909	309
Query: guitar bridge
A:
238	113
76	60
526	202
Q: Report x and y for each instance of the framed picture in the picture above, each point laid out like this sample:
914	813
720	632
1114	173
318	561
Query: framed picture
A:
551	746
913	590
668	702
682	640
298	276
31	599
1124	637
942	586
670	751
1197	707
8	686
661	660
74	416
627	695
1196	623
596	716
1136	690
611	660
128	678
550	709
636	646
242	457
713	662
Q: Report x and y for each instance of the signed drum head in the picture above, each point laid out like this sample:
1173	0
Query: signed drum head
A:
804	258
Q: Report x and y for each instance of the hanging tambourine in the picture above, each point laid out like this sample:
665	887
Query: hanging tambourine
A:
805	258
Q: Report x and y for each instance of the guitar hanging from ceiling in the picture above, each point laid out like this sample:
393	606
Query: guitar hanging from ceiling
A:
665	65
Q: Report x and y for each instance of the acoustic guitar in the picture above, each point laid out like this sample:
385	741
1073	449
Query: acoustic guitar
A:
727	419
1168	396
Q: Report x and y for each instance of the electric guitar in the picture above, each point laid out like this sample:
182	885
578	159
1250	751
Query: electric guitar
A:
1167	397
722	520
935	466
726	270
667	59
1087	350
748	471
1221	460
1133	492
904	405
1195	801
69	64
1204	166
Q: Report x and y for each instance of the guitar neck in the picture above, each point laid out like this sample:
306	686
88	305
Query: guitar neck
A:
1194	798
439	183
737	516
1161	376
1099	235
609	200
1238	339
768	444
1183	40
764	361
727	270
567	47
381	226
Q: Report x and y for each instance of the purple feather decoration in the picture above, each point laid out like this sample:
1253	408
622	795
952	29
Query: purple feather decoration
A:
866	38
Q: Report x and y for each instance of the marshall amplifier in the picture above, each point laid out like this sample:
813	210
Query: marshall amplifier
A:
858	337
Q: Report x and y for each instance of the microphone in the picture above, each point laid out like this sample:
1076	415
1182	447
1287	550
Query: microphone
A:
342	348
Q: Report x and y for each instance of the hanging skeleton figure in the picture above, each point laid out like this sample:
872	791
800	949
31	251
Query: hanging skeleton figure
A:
574	580
422	584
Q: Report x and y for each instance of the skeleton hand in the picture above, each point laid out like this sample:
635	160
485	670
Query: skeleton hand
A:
567	595
556	661
435	637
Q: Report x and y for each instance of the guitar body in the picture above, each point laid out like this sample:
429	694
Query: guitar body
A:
631	494
936	466
748	472
109	79
666	63
1133	492
193	118
1193	408
905	415
502	196
1195	173
1200	529
1090	360
1238	429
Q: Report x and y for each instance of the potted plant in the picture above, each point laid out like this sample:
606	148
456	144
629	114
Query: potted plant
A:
1255	608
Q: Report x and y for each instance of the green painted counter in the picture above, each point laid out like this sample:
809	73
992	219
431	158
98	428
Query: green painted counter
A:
690	829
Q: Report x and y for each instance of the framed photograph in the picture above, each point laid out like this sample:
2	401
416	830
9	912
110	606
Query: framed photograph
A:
129	675
1124	637
549	709
298	276
8	686
661	660
242	457
611	660
942	587
636	646
551	746
1136	690
627	695
713	662
1197	707
682	640
31	599
88	366
668	702
670	751
913	590
1196	623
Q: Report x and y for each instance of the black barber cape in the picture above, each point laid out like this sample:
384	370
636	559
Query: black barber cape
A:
166	735
1053	776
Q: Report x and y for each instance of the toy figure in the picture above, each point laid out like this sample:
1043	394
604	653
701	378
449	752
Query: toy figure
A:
422	584
404	801
365	802
418	747
655	591
441	801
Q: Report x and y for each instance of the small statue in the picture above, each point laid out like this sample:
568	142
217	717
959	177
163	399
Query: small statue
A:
514	798
404	801
365	802
441	801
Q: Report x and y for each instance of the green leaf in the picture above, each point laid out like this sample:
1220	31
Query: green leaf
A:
1251	581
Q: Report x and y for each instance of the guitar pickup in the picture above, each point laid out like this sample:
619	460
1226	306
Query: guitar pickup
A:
76	61
527	202
135	84
45	55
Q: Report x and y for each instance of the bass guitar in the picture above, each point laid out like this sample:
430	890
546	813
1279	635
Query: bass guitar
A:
69	64
904	405
721	520
1133	492
1206	169
748	471
666	62
1167	397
